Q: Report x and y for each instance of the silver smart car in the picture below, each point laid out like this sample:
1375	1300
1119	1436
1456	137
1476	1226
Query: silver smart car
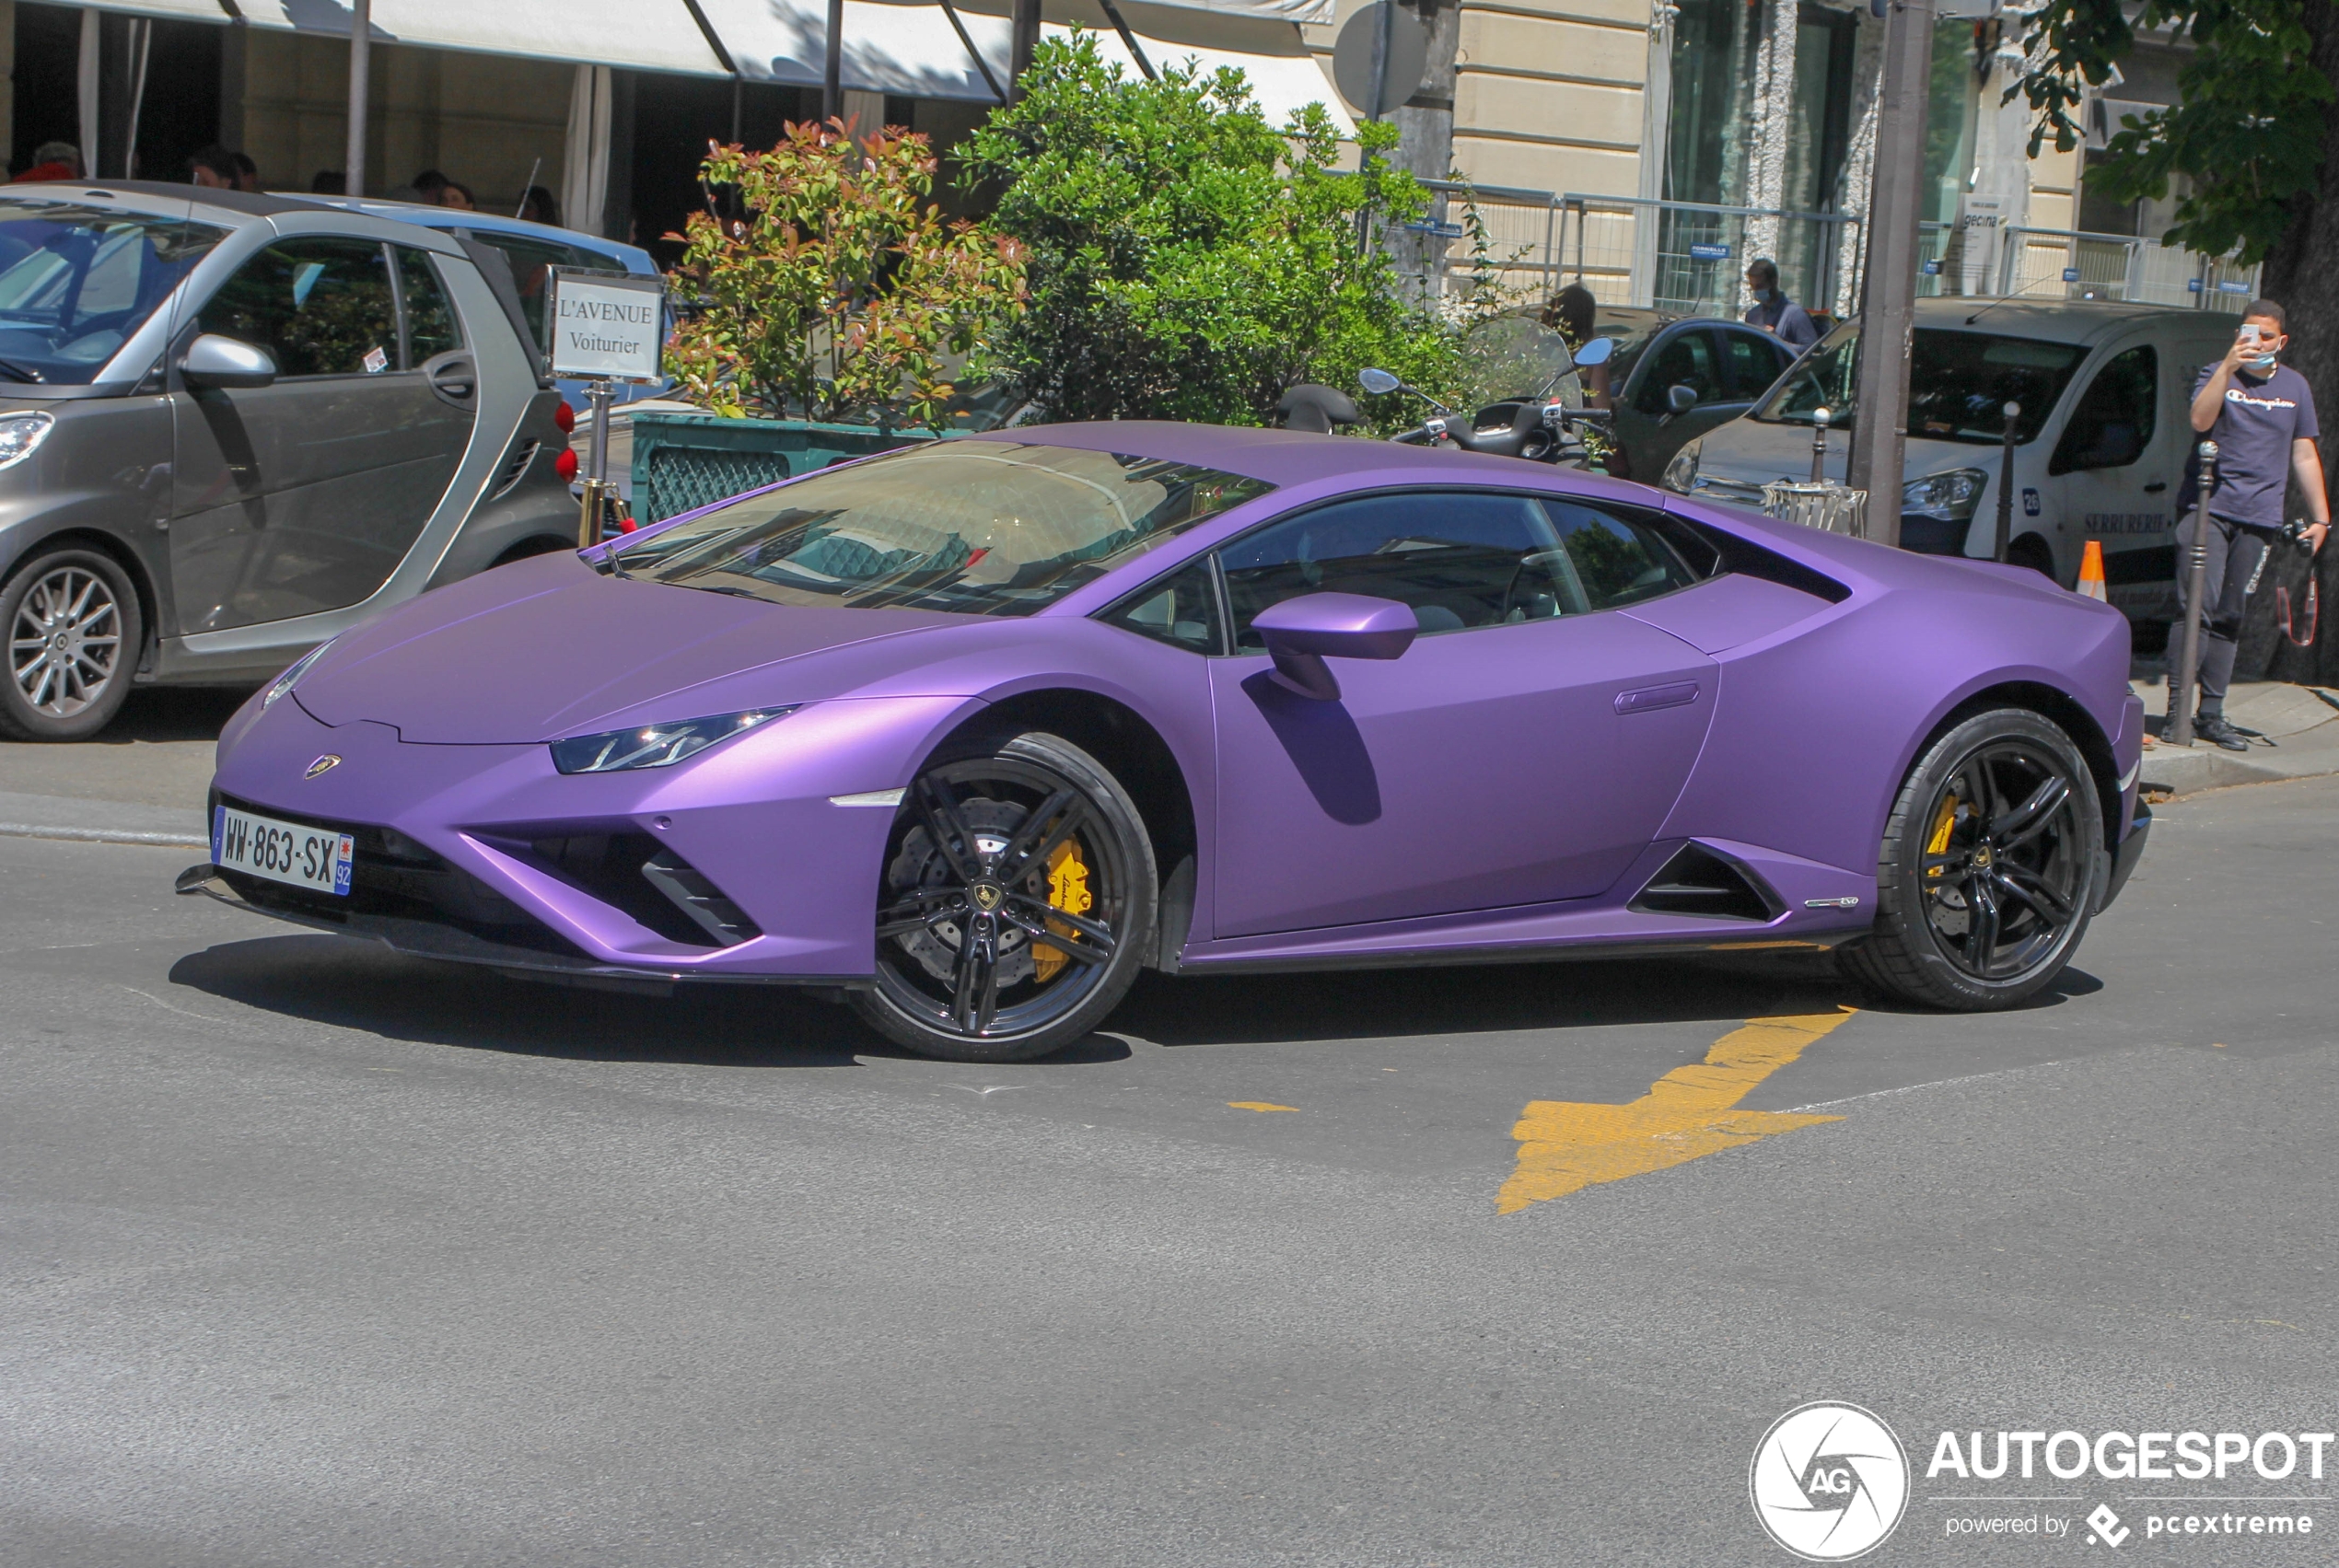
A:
232	425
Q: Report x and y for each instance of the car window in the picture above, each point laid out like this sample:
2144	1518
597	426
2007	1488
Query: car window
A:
1756	360
431	328
76	281
1463	561
532	260
321	307
2112	425
1180	609
1959	383
1685	360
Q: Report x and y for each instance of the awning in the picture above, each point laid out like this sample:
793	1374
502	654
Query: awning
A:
641	35
177	10
912	50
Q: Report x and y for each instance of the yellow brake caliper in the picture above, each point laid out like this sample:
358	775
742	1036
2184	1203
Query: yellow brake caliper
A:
1067	890
1940	841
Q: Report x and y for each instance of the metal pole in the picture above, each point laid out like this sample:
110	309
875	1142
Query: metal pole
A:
1879	411
361	50
2006	485
833	63
1384	13
1023	40
2177	731
1820	418
589	522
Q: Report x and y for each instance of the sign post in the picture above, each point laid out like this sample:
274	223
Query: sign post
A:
607	327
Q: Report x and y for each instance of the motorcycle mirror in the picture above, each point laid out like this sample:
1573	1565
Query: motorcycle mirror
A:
1378	381
1595	351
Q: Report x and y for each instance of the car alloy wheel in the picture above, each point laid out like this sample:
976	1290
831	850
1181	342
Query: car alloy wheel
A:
1017	899
73	638
1990	866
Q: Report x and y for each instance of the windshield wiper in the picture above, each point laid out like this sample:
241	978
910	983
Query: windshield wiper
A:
21	372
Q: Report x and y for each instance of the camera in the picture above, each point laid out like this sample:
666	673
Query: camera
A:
2295	530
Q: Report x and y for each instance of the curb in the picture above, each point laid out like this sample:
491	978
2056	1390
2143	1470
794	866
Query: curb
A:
101	835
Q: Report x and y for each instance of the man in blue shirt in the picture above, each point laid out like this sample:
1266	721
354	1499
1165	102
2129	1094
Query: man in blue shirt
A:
1774	312
2261	415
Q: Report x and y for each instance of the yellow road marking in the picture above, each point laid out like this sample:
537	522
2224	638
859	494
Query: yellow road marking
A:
1564	1146
1257	1104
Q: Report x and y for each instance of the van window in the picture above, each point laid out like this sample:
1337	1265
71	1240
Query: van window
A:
1959	383
2112	425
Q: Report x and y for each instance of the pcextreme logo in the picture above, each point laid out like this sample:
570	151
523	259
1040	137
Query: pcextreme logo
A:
1829	1481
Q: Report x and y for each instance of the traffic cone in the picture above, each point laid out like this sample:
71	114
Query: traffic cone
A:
2092	573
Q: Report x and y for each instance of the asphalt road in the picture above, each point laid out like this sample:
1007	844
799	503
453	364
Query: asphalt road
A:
314	1255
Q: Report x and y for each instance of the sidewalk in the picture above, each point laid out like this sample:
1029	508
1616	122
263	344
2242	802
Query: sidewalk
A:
2297	738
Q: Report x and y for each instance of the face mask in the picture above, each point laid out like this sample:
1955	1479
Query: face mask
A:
2262	365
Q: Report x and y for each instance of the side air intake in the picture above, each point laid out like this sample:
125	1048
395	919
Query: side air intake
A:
1702	884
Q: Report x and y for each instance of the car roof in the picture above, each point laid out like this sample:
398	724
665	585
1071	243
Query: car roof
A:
635	259
154	197
2049	320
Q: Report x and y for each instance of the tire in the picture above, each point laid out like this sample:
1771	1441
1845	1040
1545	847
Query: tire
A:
1082	872
2032	551
1973	919
74	633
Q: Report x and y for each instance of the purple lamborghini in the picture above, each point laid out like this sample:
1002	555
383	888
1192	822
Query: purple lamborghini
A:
968	735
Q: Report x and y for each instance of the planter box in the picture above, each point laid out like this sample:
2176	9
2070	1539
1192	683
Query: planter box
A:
682	461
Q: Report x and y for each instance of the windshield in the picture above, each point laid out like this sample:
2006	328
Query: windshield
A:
1959	384
982	528
76	281
1514	355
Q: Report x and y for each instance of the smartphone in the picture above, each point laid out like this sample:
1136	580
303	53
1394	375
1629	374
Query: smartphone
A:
2247	337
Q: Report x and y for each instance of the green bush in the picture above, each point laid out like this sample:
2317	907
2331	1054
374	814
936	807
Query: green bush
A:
1186	259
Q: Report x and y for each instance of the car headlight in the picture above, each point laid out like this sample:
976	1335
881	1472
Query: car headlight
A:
291	678
1681	473
654	745
21	435
1950	497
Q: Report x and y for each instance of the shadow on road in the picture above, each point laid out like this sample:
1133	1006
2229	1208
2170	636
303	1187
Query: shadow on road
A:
165	714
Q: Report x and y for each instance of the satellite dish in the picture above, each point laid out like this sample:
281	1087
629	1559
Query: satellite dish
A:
1396	33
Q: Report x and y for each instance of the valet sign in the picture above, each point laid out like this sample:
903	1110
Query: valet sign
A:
605	326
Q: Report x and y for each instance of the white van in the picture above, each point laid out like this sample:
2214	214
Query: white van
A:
2102	440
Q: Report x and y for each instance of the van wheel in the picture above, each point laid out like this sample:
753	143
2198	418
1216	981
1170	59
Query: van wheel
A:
2034	553
74	636
1989	867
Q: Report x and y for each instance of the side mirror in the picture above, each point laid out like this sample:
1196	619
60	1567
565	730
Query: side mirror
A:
1679	398
1595	351
213	361
1378	382
1302	633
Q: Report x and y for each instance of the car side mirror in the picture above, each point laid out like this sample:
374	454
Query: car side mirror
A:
1679	398
1302	633
1595	351
215	361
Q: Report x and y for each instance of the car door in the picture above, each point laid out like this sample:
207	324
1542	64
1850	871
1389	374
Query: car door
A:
2112	473
1525	749
1647	429
303	495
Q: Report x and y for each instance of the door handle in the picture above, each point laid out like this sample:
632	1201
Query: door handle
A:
456	379
2156	487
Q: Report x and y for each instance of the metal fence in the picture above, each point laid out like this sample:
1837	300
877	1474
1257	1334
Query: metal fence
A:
2057	263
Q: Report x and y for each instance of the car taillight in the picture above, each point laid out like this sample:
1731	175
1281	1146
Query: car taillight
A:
566	464
565	416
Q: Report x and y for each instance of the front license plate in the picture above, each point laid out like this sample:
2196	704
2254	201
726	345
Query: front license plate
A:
282	851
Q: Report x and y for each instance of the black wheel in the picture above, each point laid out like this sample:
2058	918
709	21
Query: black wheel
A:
1017	903
2032	551
1989	867
73	635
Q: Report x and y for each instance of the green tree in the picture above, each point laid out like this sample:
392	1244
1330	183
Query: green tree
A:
2256	135
841	293
1188	259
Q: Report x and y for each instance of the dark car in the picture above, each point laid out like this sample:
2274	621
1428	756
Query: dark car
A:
232	426
1725	365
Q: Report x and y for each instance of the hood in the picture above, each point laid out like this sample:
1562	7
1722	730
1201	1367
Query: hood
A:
1749	452
545	648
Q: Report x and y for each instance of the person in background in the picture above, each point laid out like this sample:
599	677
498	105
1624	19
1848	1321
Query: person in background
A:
212	168
1772	311
53	160
329	182
458	196
428	188
1570	314
247	172
2261	415
539	206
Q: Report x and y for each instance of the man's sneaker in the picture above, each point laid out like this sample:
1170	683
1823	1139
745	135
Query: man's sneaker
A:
2213	729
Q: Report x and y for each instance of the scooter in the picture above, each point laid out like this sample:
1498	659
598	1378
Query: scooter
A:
1536	426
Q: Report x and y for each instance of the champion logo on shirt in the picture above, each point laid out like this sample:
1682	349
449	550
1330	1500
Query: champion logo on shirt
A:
2236	395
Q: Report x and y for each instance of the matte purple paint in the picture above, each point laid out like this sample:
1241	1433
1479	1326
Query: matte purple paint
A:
1476	794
